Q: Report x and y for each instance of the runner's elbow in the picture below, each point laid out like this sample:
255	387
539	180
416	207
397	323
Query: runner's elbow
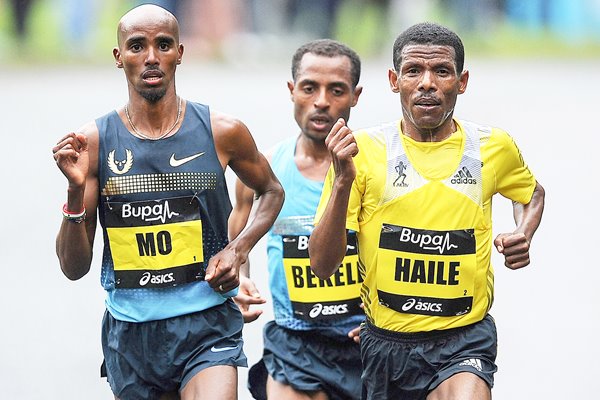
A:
323	261
327	247
321	273
74	273
73	269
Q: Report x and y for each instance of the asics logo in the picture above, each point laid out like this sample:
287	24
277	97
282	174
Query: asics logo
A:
410	303
176	163
147	277
421	306
320	309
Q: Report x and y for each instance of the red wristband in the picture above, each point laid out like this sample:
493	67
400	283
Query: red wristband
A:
73	217
71	213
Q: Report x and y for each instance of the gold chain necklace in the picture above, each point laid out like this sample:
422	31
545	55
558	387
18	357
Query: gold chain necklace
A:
141	135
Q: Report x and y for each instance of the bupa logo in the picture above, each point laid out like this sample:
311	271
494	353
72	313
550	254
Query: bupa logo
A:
437	242
320	309
155	212
159	279
421	306
463	176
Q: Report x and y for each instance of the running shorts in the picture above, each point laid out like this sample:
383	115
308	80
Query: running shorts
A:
144	360
409	365
307	361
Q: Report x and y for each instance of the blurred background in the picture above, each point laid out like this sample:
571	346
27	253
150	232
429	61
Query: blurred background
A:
80	31
534	71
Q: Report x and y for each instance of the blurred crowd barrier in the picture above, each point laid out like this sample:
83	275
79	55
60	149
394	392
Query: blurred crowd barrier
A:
247	30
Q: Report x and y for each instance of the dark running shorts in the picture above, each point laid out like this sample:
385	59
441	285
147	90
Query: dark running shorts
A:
307	362
410	365
144	360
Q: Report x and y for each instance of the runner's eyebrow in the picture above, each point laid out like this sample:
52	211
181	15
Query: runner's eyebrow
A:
141	38
307	82
135	39
165	39
312	82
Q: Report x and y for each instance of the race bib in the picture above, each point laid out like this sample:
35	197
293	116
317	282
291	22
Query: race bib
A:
320	299
426	272
155	244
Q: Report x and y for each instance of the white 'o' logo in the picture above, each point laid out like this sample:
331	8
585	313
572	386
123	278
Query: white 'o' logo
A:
145	278
408	305
316	310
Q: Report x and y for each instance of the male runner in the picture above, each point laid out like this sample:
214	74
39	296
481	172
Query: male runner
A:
425	239
309	348
153	172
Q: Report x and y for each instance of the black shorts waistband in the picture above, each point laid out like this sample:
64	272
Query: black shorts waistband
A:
311	334
414	336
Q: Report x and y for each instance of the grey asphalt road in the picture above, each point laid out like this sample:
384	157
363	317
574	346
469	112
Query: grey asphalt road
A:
547	314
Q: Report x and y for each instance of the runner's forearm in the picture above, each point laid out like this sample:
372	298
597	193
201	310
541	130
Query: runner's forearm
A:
327	244
268	207
73	244
73	250
528	216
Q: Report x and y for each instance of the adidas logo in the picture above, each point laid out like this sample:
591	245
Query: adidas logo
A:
472	362
463	176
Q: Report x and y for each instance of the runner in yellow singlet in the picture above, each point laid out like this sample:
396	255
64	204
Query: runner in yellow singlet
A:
418	192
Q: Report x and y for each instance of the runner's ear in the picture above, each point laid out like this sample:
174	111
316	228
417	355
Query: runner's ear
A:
117	56
393	78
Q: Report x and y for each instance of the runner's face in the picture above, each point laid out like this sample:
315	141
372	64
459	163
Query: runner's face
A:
429	84
322	93
149	52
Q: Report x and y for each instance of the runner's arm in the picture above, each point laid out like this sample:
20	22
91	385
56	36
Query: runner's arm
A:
327	243
236	148
76	155
254	172
515	246
244	199
248	294
529	216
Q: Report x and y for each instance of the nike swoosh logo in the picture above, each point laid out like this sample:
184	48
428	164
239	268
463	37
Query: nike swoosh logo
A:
220	349
176	163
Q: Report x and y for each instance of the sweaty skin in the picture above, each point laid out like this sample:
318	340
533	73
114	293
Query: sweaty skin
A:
428	83
149	52
321	92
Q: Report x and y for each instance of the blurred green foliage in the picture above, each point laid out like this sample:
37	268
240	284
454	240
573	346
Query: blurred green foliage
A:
47	41
360	24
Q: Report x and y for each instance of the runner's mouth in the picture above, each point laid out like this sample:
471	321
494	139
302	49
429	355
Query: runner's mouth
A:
427	102
320	122
152	76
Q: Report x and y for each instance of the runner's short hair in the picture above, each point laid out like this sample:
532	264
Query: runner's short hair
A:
328	48
429	33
